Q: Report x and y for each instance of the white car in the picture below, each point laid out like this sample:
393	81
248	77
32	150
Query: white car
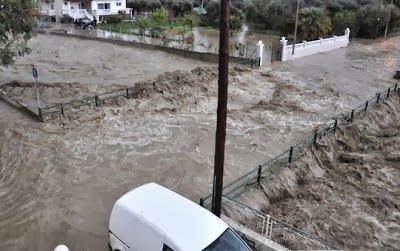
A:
153	218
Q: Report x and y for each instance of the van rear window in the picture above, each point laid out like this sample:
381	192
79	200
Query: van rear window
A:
228	241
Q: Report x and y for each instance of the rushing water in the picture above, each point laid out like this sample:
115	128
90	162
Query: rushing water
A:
58	184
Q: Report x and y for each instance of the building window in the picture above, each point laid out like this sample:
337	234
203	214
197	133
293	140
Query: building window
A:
103	6
119	3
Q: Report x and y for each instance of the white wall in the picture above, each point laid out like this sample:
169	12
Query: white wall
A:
113	7
46	6
313	47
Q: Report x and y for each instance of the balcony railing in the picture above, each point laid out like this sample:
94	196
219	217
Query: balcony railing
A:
48	12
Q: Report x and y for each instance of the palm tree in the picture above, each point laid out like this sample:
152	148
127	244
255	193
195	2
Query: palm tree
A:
314	22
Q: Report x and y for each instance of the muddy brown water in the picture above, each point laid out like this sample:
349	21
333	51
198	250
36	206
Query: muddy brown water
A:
59	180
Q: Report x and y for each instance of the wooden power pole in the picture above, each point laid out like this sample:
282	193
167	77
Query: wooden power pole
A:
295	26
220	136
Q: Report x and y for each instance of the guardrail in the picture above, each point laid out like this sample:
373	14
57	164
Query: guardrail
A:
255	176
272	228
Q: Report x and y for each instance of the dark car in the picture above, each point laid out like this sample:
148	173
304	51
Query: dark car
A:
83	22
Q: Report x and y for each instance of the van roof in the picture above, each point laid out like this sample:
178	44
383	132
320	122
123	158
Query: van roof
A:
187	226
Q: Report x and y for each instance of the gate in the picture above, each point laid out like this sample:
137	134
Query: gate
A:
250	50
276	51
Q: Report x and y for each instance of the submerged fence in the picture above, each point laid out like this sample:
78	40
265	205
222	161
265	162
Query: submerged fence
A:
98	100
256	175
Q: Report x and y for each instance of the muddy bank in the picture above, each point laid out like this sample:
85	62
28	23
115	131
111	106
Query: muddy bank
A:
346	189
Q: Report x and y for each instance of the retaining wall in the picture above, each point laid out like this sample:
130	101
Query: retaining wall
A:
201	56
21	106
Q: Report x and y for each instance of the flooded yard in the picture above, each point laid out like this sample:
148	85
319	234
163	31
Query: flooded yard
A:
59	180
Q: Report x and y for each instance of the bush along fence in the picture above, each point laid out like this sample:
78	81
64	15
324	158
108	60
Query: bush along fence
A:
255	176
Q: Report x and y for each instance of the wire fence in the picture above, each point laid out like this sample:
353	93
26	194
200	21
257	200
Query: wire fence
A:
255	176
272	228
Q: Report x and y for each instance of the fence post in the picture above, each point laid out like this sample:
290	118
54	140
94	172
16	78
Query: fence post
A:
201	202
315	137
62	109
40	114
259	175
284	53
335	125
366	106
388	93
395	87
352	116
260	52
378	98
291	154
96	100
127	92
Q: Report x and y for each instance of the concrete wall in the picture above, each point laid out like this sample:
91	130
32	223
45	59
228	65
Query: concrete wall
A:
313	47
21	106
204	57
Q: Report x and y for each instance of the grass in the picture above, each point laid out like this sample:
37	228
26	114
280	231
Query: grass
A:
126	27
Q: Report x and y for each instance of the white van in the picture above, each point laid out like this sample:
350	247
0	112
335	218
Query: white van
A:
153	218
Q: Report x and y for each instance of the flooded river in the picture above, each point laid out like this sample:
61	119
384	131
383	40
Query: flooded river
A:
59	180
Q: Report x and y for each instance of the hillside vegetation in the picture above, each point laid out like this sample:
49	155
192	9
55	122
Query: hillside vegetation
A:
318	18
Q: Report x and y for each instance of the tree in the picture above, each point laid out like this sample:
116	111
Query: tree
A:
160	15
344	20
314	22
16	20
235	24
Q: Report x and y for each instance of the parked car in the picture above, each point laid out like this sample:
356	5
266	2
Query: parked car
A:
83	22
153	218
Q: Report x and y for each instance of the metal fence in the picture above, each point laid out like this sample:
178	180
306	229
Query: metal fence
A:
256	175
272	228
98	100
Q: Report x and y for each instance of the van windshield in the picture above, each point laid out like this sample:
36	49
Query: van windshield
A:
228	241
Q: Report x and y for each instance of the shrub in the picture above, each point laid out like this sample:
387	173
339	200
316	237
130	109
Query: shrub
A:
66	20
114	19
160	15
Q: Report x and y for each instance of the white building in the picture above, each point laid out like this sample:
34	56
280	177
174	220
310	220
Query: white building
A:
82	8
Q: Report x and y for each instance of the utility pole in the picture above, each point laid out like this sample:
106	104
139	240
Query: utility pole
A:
220	136
295	26
377	19
390	17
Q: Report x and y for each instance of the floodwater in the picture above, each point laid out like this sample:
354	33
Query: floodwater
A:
59	180
242	43
61	60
